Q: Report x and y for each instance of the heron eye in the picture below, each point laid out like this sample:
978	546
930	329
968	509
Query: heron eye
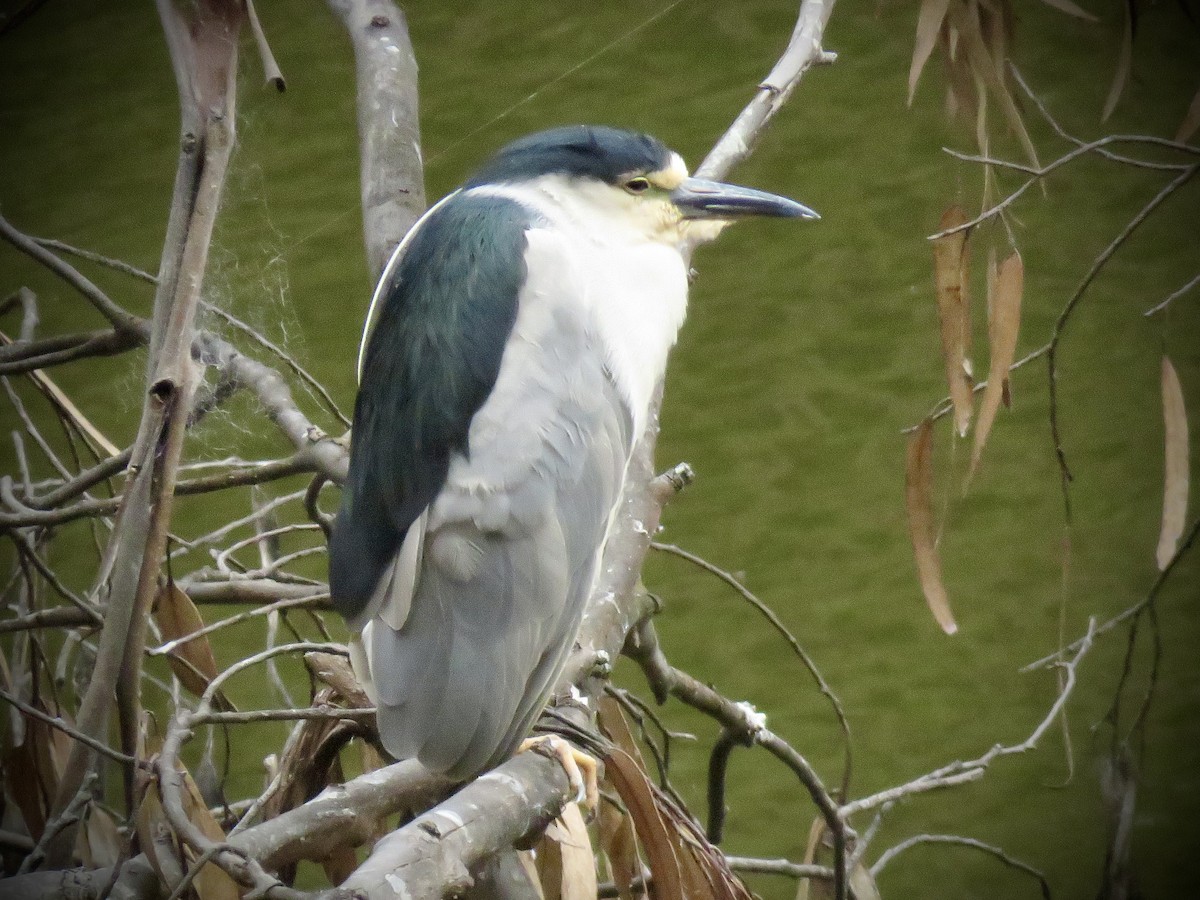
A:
637	185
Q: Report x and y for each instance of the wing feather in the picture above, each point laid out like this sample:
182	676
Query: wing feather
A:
444	313
512	539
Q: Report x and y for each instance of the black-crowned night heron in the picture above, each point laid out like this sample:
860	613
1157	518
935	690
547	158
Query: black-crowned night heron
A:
510	356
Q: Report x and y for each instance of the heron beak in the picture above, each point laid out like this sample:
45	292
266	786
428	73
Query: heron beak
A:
699	198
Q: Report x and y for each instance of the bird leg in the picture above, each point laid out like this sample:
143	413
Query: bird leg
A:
581	768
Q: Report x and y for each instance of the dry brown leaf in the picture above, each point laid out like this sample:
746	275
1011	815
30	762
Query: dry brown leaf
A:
993	270
192	662
152	832
1175	469
612	722
1071	9
529	865
635	792
918	501
99	843
1124	63
809	888
954	313
820	851
571	869
619	845
1005	325
33	767
1190	122
336	672
340	864
982	63
673	844
929	26
23	785
212	882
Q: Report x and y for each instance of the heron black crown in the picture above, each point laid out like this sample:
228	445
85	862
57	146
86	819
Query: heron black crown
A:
580	151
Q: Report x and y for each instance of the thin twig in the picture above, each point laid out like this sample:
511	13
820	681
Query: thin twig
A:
961	772
777	624
778	867
69	730
1185	544
957	840
120	318
118	265
1172	297
1079	142
290	361
318	713
1060	325
286	603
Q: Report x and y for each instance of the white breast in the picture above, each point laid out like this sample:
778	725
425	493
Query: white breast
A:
635	288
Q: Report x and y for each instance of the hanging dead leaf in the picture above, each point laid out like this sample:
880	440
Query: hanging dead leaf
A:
529	867
929	26
24	786
1175	468
155	837
636	794
612	722
99	843
681	860
1005	327
340	864
1124	62
1190	122
619	846
1071	9
810	888
918	500
212	882
983	64
949	271
336	672
177	617
548	866
33	767
819	850
566	863
993	271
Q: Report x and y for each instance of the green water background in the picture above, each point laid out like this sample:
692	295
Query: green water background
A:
808	348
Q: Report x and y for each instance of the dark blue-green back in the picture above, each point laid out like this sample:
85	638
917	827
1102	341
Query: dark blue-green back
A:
447	311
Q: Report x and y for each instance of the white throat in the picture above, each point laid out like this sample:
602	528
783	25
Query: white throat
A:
631	276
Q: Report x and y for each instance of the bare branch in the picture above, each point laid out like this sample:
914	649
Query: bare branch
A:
802	53
1125	615
27	300
1060	325
777	624
118	265
434	855
961	772
1012	862
120	319
1173	296
74	733
393	181
778	867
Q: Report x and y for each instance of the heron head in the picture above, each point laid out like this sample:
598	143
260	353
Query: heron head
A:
626	180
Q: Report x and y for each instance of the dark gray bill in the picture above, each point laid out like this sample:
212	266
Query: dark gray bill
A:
699	198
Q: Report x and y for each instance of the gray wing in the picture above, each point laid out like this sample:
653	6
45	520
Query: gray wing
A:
511	544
